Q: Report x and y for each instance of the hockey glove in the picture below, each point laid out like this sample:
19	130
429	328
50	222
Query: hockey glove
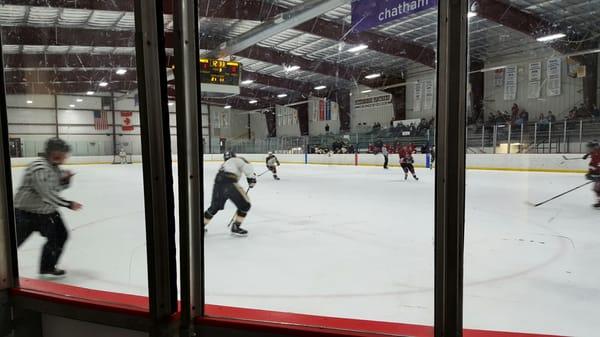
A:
251	182
592	177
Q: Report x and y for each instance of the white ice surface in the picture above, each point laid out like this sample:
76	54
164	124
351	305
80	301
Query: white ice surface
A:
357	242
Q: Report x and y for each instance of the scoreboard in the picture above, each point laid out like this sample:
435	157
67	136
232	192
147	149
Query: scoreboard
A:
220	72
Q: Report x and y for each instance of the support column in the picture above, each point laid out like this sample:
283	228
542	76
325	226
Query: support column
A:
56	114
303	118
271	121
343	100
477	90
399	101
590	81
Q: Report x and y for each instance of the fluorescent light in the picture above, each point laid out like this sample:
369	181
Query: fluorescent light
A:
103	84
471	14
282	95
253	101
372	76
320	87
71	105
227	107
550	37
358	48
29	102
291	68
90	93
366	91
121	71
247	82
171	103
79	100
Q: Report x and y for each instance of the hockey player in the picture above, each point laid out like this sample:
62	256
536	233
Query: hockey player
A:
594	168
226	187
385	153
123	156
37	204
406	160
272	162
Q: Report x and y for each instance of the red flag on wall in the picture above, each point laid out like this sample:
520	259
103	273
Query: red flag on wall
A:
126	117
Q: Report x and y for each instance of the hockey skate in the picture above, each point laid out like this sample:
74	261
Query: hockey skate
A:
414	176
276	178
52	273
405	176
237	230
597	205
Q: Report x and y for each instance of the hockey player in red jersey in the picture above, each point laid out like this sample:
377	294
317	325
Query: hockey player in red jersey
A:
594	168
406	160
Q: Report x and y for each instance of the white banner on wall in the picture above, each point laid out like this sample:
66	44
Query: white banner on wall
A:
417	97
554	76
510	83
499	78
285	115
428	90
535	71
533	89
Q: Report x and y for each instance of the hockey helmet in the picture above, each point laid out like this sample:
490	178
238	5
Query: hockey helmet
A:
56	145
270	153
592	145
228	155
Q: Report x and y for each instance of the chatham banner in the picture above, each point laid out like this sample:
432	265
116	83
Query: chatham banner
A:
367	14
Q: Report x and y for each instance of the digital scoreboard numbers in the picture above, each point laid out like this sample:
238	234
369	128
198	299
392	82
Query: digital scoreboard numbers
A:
220	72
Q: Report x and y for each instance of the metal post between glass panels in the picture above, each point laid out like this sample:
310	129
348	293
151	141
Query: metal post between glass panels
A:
564	142
483	139
494	138
549	138
521	141
190	165
450	169
535	130
157	170
9	274
580	135
509	137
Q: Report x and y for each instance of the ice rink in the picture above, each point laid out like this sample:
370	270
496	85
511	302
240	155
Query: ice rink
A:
357	242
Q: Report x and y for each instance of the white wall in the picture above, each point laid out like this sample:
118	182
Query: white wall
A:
287	126
258	124
382	114
571	91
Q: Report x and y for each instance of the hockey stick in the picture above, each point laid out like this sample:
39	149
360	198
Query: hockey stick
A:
567	158
263	173
560	195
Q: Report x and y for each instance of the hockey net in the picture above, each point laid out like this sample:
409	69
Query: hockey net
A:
123	154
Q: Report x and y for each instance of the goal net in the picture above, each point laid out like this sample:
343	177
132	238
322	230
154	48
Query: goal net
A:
123	154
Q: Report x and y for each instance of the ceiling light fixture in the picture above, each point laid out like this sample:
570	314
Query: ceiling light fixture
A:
90	93
282	95
103	84
366	91
247	82
29	102
550	37
121	71
358	48
253	101
171	103
79	100
227	107
471	14
71	105
289	69
320	87
372	76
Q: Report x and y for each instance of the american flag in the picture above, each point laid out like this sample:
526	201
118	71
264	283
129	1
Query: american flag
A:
100	120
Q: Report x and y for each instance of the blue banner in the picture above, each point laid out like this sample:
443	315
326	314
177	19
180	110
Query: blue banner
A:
367	14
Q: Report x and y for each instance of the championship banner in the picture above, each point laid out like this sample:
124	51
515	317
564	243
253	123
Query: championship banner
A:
126	120
321	109
428	89
535	71
499	78
533	89
417	95
510	83
367	14
554	77
373	101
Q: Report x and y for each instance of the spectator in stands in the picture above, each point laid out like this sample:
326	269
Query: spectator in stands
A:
327	128
572	114
551	118
515	112
595	112
523	117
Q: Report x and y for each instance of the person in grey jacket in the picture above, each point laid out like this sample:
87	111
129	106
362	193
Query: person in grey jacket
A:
37	202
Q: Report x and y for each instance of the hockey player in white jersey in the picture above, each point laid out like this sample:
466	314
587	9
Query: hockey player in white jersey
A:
123	156
272	163
226	187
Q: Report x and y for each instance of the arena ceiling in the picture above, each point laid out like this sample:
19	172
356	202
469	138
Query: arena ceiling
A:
62	46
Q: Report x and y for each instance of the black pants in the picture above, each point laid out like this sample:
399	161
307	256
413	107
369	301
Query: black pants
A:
50	226
272	169
408	167
227	189
385	161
